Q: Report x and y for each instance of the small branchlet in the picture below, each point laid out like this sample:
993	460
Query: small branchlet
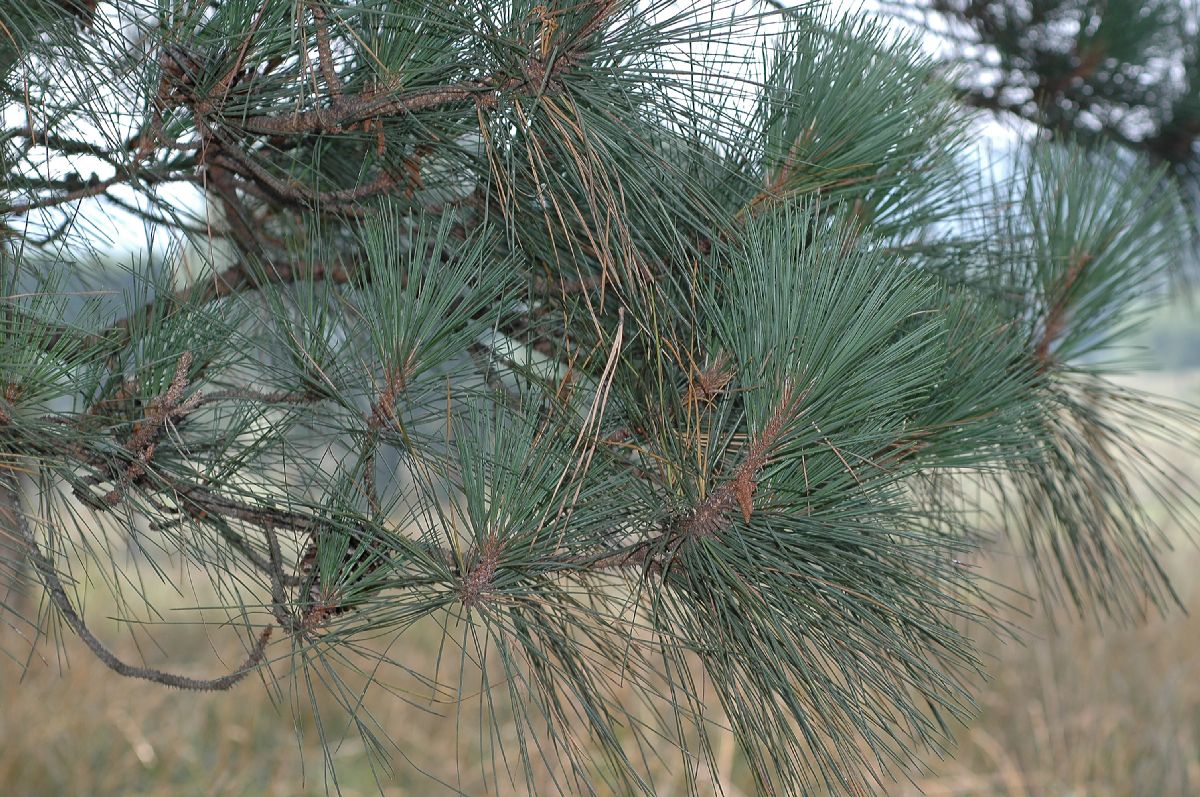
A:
709	518
162	409
1056	315
384	412
57	593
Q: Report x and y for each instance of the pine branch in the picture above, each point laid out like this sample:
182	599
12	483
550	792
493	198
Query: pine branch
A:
58	596
629	363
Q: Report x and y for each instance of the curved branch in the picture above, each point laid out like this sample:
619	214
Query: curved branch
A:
60	599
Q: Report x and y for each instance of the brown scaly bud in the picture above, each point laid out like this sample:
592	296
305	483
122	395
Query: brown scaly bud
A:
707	383
478	580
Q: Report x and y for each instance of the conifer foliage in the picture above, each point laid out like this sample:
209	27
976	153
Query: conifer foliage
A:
670	365
1122	72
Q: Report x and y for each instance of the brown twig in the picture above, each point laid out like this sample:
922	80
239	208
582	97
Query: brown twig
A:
236	278
162	410
249	394
1056	316
237	216
324	51
708	518
67	146
335	118
58	596
91	189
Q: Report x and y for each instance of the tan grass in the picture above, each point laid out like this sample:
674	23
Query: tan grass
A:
1077	711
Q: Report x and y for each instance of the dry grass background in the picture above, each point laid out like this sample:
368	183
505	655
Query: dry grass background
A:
1076	711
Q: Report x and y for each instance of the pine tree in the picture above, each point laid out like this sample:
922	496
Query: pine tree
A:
673	364
1118	73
